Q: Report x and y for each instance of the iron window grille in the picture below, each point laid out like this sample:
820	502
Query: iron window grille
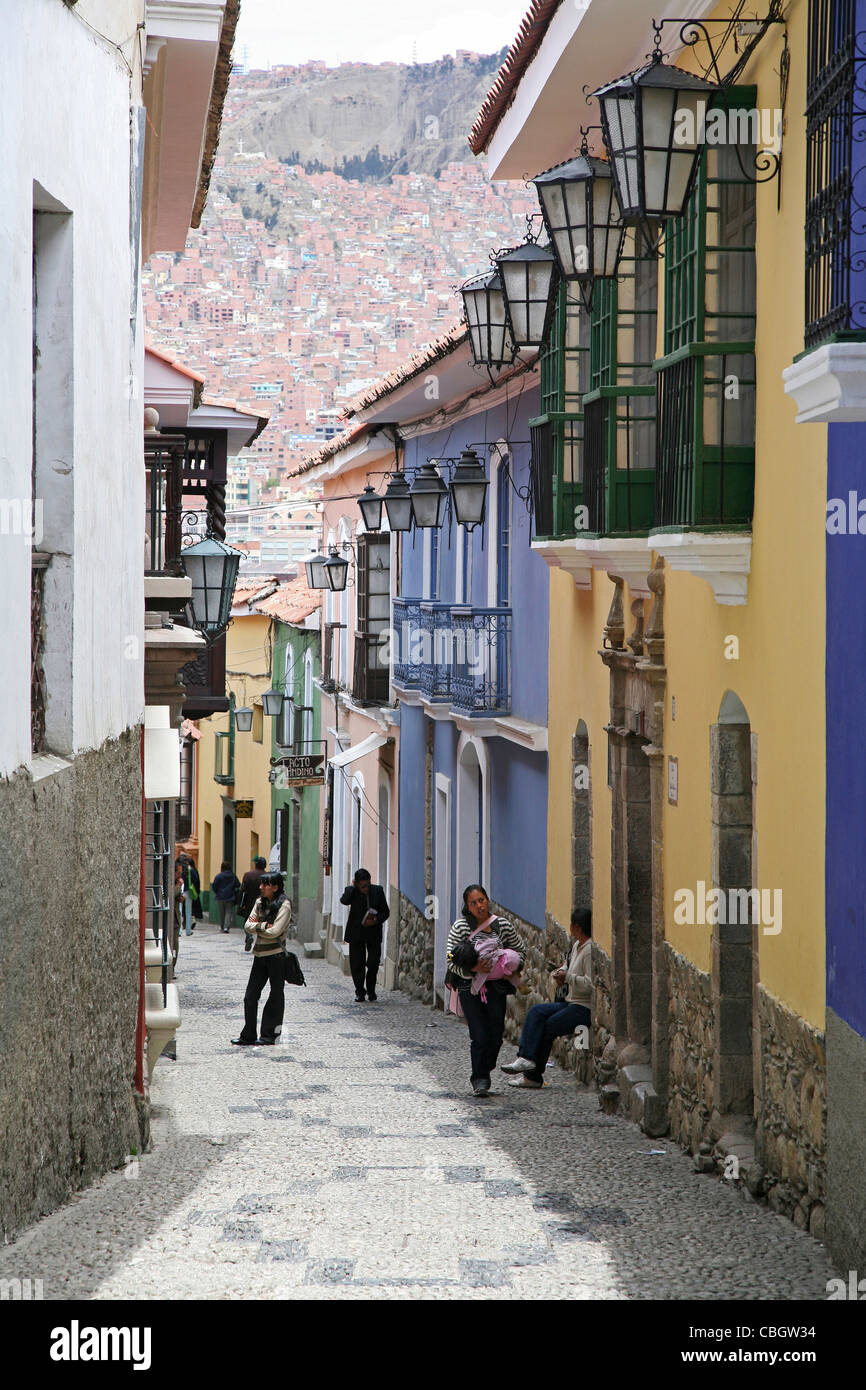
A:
706	379
835	231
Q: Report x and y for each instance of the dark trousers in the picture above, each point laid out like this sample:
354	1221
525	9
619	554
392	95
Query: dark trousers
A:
544	1024
364	958
265	969
486	1026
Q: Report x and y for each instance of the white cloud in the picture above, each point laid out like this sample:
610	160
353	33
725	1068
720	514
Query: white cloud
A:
372	31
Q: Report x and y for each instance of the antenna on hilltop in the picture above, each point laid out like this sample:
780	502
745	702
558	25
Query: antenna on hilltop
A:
414	52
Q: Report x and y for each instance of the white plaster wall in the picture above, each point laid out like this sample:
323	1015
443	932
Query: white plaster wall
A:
65	98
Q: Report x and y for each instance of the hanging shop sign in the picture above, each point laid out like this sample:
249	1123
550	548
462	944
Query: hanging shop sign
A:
299	770
244	810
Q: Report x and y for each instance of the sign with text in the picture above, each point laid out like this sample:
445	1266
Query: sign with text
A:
299	770
244	810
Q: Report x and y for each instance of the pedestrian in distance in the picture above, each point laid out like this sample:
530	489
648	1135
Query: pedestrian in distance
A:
182	898
268	924
226	888
194	889
368	910
546	1022
250	886
485	1016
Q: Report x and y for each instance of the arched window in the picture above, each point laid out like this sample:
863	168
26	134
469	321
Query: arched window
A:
499	528
308	701
286	721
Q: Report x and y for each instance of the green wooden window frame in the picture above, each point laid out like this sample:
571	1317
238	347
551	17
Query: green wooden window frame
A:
620	407
224	750
706	471
564	369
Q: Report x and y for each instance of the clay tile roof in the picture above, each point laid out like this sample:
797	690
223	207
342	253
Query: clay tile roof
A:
292	602
533	28
219	89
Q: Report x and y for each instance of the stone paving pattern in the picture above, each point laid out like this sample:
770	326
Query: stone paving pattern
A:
351	1162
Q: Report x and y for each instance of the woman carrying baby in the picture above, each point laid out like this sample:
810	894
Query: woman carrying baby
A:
500	952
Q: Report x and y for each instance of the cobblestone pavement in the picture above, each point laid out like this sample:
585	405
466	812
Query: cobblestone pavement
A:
350	1162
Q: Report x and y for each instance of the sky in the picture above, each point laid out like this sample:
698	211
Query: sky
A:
372	31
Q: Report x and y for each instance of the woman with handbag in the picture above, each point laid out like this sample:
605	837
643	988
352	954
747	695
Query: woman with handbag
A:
484	1015
268	924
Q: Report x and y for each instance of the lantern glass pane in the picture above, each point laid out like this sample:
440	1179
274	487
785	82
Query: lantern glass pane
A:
469	502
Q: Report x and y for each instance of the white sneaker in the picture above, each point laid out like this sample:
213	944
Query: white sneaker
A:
525	1081
519	1064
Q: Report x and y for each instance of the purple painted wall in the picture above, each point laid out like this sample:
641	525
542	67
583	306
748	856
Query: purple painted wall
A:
846	738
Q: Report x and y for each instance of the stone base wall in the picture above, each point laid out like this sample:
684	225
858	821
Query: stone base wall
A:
414	972
69	890
690	1021
846	1144
791	1134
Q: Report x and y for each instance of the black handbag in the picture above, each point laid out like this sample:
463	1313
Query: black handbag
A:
292	971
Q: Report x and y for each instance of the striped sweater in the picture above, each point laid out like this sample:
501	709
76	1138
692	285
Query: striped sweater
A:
500	927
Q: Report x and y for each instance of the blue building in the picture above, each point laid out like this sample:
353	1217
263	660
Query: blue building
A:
470	622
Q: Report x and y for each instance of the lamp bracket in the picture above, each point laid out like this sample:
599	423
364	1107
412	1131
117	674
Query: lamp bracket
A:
695	31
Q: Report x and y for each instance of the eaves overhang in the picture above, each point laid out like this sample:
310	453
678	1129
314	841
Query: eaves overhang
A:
582	48
185	80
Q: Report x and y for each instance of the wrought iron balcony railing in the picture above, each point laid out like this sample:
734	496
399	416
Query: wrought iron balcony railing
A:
482	675
455	655
407	621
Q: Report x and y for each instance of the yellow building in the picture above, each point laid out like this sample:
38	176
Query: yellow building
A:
233	794
682	514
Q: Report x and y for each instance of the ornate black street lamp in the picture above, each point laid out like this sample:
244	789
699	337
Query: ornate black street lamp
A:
469	490
212	566
315	567
652	127
398	503
370	504
272	702
582	217
429	496
336	571
484	308
529	281
243	719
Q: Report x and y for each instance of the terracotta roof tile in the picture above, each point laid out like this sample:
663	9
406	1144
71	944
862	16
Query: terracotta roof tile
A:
532	30
292	602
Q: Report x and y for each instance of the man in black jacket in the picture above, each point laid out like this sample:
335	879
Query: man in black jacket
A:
368	909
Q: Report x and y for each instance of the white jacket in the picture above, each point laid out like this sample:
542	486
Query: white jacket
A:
579	974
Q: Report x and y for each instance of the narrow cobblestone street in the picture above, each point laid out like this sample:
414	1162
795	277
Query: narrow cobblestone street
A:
349	1162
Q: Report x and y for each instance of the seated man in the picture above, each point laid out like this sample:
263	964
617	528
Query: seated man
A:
546	1022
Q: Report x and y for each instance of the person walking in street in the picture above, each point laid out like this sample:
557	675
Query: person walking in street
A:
226	888
182	899
250	886
484	1016
368	910
547	1022
268	923
194	889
